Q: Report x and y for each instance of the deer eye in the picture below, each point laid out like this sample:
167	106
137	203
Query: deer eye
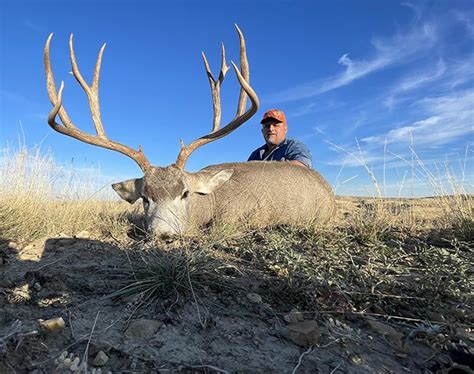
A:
146	202
185	194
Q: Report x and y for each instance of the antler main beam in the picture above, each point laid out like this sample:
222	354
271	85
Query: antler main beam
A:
244	79
67	127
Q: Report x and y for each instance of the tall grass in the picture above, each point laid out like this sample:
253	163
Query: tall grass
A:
39	197
450	194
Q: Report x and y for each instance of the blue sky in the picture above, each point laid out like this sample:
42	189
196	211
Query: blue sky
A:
360	81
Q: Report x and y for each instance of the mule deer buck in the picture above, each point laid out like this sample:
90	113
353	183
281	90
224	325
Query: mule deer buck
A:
174	200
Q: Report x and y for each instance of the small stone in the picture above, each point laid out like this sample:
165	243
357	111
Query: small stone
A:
254	298
100	359
84	234
37	286
434	316
304	333
392	336
53	324
14	245
294	316
99	345
143	328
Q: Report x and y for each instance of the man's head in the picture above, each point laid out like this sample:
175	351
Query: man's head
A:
274	127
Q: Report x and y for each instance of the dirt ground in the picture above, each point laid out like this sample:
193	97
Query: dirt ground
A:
213	331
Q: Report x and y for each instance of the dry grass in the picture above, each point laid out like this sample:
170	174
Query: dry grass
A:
408	261
418	249
39	198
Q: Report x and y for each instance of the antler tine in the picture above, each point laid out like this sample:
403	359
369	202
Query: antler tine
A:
91	92
244	66
216	88
67	127
95	80
185	152
51	86
240	118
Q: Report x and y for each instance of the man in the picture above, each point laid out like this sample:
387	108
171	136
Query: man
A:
278	147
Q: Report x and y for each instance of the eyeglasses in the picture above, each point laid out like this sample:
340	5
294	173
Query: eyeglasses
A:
274	124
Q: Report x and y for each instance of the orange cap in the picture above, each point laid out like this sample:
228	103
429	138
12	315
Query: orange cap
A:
273	114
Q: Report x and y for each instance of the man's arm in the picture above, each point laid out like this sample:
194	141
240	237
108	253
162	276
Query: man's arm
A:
255	155
298	154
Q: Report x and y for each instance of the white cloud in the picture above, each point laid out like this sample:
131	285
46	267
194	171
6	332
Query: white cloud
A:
388	52
448	118
421	78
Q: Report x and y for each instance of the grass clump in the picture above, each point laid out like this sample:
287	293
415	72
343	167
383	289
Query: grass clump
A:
157	274
40	198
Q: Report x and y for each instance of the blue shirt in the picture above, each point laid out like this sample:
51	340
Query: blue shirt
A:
287	150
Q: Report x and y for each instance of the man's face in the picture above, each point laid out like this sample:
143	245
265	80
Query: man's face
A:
274	132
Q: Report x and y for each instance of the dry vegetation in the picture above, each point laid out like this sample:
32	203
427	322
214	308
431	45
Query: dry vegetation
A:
40	198
389	283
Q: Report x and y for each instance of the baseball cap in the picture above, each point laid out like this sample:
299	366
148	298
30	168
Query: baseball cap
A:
273	114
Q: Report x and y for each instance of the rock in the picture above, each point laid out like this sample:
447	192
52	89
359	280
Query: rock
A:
142	329
392	336
53	324
84	234
100	359
434	316
304	333
254	298
294	316
14	245
99	345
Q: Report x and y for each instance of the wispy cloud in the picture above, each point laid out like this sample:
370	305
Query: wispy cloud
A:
415	81
417	9
388	52
449	117
303	110
466	20
33	26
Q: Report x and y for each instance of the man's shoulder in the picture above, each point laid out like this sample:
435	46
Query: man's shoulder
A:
261	148
255	155
295	143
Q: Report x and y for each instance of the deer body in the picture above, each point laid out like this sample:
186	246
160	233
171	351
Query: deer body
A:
258	192
273	192
175	200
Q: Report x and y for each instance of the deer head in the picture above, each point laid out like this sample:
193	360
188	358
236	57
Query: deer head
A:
167	192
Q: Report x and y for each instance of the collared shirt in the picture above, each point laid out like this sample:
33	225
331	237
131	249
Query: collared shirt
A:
287	150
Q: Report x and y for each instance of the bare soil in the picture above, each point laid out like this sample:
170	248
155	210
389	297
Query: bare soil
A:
218	329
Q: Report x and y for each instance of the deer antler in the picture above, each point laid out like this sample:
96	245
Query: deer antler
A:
244	78
92	92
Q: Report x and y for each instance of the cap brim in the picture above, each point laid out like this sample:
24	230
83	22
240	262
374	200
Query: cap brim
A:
269	119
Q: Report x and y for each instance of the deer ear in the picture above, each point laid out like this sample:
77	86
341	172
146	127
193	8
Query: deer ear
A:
206	181
129	190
